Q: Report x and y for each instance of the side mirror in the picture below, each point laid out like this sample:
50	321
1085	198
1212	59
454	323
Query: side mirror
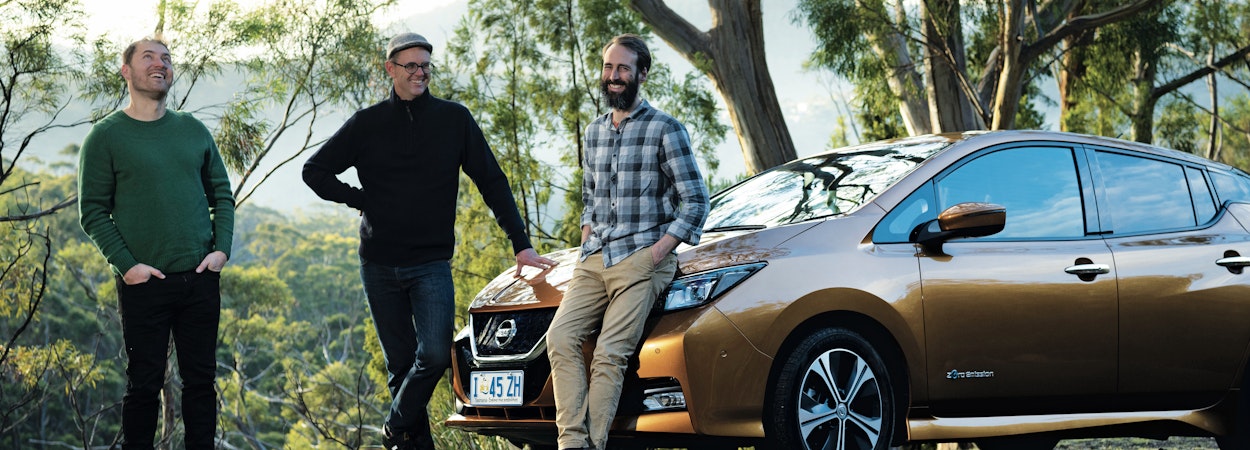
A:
964	220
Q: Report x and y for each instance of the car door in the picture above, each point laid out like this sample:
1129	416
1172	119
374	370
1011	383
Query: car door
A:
1184	317
1019	320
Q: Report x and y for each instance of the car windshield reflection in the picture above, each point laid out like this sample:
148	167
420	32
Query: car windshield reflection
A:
819	186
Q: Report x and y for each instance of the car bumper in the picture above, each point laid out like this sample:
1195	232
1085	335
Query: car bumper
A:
678	346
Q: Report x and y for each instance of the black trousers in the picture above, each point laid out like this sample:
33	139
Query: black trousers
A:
188	305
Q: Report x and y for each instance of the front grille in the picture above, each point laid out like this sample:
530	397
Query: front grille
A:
510	333
537	371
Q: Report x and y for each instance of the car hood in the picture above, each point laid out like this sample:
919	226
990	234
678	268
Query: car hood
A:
545	289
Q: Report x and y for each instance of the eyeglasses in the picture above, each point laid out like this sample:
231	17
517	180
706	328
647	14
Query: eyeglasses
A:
411	68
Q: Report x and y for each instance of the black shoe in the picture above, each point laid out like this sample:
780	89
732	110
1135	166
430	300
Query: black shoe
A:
402	440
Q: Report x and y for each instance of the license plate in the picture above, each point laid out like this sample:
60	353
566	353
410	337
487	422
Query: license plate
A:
496	388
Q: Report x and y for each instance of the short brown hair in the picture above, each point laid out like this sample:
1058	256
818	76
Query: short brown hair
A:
129	52
635	44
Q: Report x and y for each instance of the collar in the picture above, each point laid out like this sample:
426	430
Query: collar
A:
607	117
420	101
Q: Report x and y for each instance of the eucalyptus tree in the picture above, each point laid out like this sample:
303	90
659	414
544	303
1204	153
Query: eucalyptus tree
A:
731	54
1116	80
44	60
919	50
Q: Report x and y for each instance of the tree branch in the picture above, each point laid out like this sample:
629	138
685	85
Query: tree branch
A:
36	215
1202	72
1080	24
671	27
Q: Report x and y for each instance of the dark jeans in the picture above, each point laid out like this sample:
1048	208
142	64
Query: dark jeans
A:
413	310
187	304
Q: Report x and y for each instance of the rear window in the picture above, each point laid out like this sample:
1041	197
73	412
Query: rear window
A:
1232	187
1145	195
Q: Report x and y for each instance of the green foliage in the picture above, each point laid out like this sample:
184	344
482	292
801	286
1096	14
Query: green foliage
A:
1176	126
240	135
254	288
878	113
1103	99
330	407
842	29
1236	142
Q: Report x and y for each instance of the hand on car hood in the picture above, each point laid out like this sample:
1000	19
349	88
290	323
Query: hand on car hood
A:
534	286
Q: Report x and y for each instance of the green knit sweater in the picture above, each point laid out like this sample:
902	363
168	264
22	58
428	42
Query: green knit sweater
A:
154	192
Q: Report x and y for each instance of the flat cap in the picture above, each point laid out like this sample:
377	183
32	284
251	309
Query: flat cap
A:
406	41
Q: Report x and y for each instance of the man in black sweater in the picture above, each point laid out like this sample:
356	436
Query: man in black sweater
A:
408	152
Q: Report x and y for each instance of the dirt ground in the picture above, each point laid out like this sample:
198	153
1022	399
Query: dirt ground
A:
1176	443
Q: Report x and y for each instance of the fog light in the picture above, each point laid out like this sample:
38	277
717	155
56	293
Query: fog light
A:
664	399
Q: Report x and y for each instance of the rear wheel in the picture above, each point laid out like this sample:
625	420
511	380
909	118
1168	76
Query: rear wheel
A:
834	391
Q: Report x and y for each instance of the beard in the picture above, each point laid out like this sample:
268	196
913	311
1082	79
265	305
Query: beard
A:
623	101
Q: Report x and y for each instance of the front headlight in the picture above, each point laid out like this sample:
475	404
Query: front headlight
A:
699	289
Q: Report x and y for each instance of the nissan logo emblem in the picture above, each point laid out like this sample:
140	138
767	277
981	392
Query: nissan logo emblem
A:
505	332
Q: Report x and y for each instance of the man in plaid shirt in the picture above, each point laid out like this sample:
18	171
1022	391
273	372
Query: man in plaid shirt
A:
643	195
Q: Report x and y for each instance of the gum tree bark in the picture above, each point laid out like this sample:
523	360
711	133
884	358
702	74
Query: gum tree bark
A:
731	53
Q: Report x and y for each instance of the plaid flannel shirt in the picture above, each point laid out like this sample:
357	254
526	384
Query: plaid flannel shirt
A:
640	182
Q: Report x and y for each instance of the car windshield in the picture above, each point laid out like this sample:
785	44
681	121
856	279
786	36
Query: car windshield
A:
819	186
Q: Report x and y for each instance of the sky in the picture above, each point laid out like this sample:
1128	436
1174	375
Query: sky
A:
807	98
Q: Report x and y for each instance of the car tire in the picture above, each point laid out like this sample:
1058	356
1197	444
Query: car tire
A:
836	382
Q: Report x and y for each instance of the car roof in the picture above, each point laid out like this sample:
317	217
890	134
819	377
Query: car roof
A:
980	138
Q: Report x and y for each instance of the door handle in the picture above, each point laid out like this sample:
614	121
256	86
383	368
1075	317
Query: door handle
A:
1088	269
1235	261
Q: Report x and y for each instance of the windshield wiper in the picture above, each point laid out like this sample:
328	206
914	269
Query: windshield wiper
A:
735	228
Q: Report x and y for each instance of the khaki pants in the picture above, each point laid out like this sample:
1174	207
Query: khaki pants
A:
616	301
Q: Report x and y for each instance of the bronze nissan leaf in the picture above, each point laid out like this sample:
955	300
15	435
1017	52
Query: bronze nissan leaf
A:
1008	288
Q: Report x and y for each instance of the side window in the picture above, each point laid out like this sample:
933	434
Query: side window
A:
916	209
1038	186
1231	187
1144	195
1204	204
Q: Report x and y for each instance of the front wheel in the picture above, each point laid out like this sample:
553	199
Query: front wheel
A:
834	391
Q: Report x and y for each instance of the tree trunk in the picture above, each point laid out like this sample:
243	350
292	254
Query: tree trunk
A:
1142	115
1070	73
950	105
903	78
1011	40
731	53
1213	142
1073	68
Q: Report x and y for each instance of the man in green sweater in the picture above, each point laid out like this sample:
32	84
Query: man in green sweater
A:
155	198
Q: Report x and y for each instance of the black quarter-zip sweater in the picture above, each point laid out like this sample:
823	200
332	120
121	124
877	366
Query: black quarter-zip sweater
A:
408	156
